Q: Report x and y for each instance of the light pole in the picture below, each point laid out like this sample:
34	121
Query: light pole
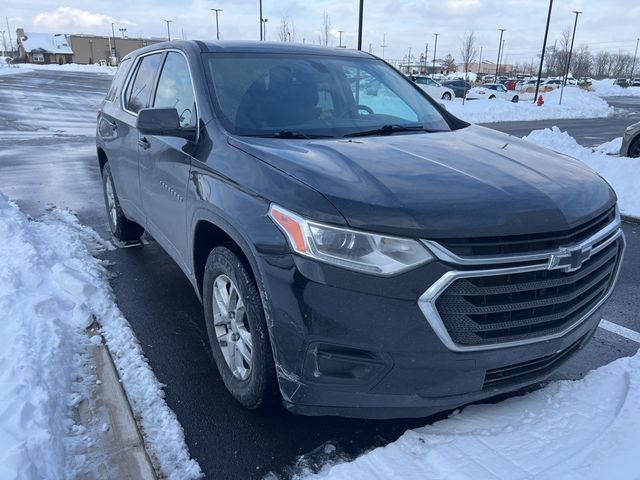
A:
261	23
122	30
480	62
264	28
289	35
168	29
502	30
340	32
360	14
435	50
91	49
567	66
384	44
217	25
544	47
635	55
113	48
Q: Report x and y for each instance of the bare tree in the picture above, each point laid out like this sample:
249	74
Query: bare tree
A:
449	63
325	38
468	51
582	62
287	30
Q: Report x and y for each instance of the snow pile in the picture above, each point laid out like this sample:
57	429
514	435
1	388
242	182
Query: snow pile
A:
622	173
50	288
572	430
6	69
606	88
576	103
68	67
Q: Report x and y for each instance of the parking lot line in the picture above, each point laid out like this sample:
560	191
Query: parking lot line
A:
620	330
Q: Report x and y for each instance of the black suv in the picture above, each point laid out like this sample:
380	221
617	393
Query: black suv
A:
359	254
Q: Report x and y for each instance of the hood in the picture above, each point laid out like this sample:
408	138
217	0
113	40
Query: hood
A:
466	183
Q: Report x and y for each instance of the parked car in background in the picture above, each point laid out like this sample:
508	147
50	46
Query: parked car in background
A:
460	87
434	89
622	82
634	82
367	256
488	78
502	79
552	84
490	91
631	141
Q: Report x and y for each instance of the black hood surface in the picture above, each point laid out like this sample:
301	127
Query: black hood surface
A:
465	183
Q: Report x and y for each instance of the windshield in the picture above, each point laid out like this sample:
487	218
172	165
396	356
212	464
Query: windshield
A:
310	96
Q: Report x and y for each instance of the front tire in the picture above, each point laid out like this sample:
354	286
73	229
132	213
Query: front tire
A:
492	97
634	149
446	96
237	330
121	227
515	99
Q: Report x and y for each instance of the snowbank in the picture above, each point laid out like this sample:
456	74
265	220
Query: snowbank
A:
606	88
50	288
576	103
6	69
68	67
622	173
572	430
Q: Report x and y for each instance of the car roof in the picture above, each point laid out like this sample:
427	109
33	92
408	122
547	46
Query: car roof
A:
238	46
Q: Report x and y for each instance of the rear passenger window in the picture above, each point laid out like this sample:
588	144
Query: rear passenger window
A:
175	89
139	90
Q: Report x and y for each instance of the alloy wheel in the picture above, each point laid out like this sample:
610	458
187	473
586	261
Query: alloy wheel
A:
232	327
111	202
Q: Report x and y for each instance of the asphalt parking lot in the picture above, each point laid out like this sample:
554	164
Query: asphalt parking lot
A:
47	157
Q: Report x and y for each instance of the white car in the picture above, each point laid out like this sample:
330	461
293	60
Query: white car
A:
491	91
434	89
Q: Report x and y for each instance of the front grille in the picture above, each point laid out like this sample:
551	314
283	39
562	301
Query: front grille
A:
532	369
486	310
522	244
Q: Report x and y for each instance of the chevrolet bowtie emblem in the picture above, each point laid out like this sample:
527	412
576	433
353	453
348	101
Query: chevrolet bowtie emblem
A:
569	259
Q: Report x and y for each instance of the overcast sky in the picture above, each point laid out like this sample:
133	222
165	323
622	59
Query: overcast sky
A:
610	25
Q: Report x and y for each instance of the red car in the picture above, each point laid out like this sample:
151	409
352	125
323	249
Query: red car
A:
510	84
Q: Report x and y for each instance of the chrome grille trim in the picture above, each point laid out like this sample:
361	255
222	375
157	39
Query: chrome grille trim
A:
448	256
538	261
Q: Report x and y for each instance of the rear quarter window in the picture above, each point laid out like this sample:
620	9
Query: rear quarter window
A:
118	79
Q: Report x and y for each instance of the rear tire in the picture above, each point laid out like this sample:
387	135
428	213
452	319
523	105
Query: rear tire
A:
515	99
446	96
239	339
121	227
492	97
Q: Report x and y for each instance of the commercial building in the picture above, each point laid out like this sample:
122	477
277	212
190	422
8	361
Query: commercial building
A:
35	47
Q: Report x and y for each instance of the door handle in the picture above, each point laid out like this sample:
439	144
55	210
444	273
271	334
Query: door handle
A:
144	143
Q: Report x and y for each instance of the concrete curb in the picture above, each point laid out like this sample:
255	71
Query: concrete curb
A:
121	453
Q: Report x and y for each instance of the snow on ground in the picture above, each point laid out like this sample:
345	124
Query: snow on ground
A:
576	103
622	173
6	69
572	430
606	88
51	287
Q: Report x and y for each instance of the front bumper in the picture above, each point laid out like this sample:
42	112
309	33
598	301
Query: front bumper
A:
356	345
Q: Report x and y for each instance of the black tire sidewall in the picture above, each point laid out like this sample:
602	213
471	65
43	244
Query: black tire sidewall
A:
259	389
124	229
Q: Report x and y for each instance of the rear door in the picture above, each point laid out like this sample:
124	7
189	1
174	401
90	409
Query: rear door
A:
165	161
125	164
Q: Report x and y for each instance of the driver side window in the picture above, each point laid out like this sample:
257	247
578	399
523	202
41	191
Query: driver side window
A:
372	95
175	89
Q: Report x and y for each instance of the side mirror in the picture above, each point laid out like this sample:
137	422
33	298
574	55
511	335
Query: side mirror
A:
163	122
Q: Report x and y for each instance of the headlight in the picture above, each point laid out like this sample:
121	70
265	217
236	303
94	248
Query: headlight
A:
364	252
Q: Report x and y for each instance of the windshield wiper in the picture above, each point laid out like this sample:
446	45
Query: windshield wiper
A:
292	134
390	129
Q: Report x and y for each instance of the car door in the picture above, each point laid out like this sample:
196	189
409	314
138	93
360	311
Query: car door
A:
165	161
124	165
